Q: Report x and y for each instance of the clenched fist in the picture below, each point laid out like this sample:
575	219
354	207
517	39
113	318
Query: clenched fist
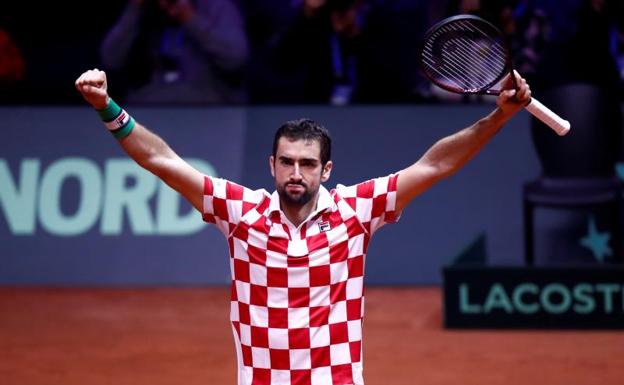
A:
511	99
92	85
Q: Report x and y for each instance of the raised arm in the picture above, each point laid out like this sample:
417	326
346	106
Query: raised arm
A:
451	153
145	147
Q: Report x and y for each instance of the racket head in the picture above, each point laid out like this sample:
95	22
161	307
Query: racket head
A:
465	54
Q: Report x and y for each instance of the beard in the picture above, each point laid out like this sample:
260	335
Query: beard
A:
299	199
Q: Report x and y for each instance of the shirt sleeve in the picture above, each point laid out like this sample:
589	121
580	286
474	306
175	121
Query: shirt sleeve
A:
374	201
225	203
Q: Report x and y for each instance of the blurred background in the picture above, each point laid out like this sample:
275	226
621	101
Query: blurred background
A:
215	78
256	52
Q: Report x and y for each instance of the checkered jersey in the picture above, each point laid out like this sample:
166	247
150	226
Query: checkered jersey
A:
297	293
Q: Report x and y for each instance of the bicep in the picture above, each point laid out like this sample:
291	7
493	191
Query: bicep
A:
415	180
154	155
183	178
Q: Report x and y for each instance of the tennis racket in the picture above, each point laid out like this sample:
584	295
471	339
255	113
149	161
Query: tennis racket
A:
466	54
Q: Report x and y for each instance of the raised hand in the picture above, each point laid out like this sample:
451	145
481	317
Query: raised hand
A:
512	99
92	85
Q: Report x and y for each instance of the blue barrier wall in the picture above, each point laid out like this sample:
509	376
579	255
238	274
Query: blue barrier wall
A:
75	211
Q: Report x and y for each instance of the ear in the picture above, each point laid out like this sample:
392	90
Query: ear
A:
326	171
272	165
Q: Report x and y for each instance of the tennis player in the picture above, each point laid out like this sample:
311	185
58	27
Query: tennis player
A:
297	255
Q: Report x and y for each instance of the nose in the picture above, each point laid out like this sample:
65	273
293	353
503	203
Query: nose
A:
296	174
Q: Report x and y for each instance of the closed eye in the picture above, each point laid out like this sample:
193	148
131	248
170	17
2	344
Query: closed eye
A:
286	161
308	163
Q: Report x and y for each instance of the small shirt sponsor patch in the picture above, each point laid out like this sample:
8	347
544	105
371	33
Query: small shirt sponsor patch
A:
324	226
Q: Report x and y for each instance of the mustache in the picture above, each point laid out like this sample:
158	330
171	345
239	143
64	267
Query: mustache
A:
296	184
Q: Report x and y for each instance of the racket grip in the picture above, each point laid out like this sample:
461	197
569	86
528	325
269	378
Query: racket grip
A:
552	120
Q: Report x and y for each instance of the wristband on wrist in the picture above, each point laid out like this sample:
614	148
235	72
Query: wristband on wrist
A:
117	120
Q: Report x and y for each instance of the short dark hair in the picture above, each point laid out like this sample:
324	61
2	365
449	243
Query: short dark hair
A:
305	129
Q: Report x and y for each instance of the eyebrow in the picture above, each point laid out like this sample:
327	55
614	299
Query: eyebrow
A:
311	160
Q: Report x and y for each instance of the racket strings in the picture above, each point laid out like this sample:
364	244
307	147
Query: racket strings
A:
496	47
475	51
451	74
455	73
462	56
465	61
468	62
477	69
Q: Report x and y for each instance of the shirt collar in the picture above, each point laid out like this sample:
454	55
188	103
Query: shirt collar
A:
324	202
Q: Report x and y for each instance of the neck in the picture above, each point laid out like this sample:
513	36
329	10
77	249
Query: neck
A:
296	214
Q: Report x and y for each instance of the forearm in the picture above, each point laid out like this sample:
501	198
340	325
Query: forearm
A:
153	154
147	149
447	156
143	146
452	152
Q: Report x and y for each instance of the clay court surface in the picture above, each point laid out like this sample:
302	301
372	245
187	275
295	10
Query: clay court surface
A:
182	336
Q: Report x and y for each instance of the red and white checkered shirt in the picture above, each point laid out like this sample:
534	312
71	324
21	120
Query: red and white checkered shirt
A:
297	293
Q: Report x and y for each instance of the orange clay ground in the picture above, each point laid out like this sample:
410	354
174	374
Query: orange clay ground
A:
182	337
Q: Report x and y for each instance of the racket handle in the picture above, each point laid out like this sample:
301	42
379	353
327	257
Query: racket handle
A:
552	120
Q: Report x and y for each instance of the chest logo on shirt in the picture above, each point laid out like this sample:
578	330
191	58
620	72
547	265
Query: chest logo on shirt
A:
324	226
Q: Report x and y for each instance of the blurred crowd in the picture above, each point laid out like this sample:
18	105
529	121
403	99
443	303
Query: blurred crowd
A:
286	51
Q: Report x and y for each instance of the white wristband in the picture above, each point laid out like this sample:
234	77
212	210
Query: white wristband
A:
121	120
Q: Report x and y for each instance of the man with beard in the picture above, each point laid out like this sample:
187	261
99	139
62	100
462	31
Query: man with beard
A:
297	255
